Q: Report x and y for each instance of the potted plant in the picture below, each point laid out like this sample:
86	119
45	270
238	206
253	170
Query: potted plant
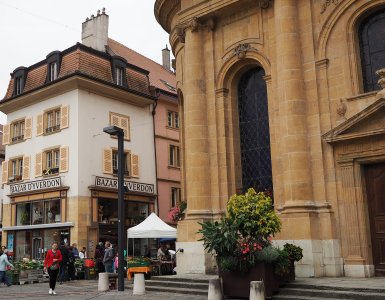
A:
24	218
241	243
176	213
294	253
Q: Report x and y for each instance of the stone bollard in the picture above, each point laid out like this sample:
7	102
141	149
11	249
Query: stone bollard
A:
103	284
139	286
215	289
257	290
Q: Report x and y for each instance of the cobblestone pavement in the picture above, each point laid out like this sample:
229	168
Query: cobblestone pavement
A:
82	289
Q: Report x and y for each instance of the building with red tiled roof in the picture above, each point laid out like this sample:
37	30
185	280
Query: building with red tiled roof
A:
60	168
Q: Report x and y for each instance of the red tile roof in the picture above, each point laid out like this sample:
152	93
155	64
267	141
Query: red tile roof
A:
82	60
159	76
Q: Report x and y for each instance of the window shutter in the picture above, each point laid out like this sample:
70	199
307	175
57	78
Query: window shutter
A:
4	171
64	117
39	164
125	125
63	159
6	134
107	161
28	128
39	125
115	120
26	167
134	165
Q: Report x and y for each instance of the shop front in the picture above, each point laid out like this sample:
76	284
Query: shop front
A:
139	202
38	218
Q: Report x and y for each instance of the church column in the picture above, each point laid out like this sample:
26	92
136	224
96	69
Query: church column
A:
196	153
292	104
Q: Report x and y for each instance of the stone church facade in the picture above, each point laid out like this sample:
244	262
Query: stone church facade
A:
282	96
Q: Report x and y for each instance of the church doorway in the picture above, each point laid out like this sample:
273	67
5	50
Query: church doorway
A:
375	190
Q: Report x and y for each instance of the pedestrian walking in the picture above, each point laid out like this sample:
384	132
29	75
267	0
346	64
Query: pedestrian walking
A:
51	264
63	276
108	259
3	267
75	250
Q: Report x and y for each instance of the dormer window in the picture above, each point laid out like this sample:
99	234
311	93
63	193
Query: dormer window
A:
119	65
119	75
53	65
19	76
53	71
18	85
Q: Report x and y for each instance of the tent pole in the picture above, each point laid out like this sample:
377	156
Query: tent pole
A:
133	248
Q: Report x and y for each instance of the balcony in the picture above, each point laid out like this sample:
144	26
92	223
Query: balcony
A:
52	129
18	138
14	178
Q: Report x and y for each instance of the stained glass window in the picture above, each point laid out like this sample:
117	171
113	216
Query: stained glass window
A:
372	48
254	131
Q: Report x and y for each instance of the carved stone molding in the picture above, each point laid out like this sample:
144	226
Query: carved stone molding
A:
381	81
328	3
240	51
264	3
341	110
194	25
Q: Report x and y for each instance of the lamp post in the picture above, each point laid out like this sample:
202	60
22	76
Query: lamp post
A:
116	131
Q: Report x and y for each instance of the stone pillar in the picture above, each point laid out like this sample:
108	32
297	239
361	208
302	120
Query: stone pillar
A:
292	103
196	154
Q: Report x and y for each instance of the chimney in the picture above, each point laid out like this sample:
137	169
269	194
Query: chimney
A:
95	31
166	58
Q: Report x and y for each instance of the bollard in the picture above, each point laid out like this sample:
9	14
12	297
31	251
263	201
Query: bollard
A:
103	283
139	286
257	290
215	289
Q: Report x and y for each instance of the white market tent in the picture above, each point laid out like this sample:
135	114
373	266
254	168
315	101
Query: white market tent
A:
151	227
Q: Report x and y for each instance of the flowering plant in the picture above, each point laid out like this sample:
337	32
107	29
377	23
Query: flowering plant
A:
176	213
243	237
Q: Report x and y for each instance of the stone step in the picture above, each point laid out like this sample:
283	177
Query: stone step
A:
179	279
171	289
296	297
335	288
329	293
178	284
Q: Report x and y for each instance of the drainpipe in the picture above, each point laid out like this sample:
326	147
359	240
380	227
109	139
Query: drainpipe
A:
157	94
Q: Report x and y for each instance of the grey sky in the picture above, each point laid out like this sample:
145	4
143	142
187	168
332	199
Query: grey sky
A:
29	30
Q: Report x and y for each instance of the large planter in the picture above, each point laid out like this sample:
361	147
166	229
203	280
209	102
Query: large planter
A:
237	284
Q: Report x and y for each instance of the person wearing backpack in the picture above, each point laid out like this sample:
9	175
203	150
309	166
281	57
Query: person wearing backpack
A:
108	259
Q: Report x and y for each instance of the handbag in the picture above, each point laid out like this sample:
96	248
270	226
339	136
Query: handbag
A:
54	265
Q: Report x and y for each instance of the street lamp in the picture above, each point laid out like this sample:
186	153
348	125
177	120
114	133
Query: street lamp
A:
116	131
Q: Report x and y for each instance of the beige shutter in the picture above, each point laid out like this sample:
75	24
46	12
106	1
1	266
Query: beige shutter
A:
4	171
134	165
26	167
125	125
39	164
39	125
107	161
28	128
6	134
115	120
63	159
64	117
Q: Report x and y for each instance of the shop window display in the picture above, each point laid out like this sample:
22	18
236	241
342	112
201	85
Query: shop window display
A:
23	244
38	212
23	214
52	211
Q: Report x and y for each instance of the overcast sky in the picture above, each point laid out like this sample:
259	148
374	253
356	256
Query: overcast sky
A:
29	30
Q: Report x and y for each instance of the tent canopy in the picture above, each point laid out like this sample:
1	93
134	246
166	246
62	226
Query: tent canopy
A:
151	227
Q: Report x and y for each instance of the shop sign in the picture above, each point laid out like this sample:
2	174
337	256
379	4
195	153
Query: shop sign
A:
130	185
35	185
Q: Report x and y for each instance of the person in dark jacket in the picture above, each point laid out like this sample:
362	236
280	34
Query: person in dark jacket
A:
71	264
64	263
99	255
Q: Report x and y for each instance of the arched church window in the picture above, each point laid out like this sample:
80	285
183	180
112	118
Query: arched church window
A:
254	131
372	48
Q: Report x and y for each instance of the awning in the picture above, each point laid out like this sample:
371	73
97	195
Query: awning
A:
40	226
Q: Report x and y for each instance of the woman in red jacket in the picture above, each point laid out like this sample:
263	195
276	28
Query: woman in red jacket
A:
52	263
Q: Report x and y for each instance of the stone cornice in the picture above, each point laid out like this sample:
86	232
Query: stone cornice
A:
194	25
164	11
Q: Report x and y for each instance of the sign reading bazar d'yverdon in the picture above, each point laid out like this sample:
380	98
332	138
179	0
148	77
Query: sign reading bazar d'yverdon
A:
132	186
35	185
